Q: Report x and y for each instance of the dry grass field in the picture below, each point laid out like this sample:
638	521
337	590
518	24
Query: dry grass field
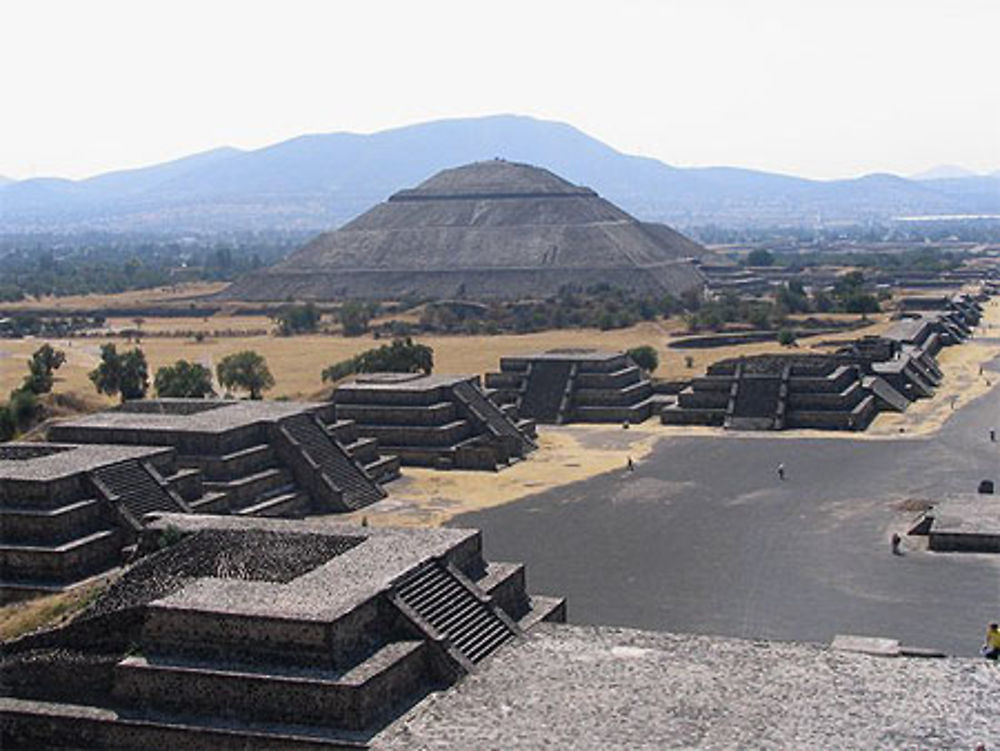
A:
297	362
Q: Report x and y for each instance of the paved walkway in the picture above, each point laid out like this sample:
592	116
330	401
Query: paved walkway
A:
702	537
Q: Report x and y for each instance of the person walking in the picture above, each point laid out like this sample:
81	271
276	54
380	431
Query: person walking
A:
993	435
991	649
895	540
781	471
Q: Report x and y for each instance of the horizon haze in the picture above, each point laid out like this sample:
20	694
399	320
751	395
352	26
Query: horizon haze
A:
820	91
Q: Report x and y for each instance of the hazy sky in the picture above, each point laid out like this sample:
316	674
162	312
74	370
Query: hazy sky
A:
816	88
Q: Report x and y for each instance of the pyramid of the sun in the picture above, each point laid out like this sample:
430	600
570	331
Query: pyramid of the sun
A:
492	229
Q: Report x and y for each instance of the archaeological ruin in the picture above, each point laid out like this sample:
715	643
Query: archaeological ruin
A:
437	421
73	508
245	633
574	385
840	391
493	229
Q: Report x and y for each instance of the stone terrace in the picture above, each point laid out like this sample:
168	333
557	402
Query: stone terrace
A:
433	420
609	688
574	385
841	391
69	512
258	458
963	523
241	659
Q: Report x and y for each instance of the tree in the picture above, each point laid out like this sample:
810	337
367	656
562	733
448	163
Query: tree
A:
245	370
402	356
297	319
645	357
43	363
786	337
126	373
760	257
184	379
354	318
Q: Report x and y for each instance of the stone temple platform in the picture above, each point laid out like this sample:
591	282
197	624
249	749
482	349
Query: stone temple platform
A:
69	512
574	385
264	458
266	634
435	420
963	523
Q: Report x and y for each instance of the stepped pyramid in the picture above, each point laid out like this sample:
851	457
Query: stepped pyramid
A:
492	229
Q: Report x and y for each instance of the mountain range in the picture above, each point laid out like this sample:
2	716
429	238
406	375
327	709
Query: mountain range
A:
316	182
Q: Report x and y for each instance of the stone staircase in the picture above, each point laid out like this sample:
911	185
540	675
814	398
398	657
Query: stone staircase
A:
138	488
495	419
469	622
544	390
358	488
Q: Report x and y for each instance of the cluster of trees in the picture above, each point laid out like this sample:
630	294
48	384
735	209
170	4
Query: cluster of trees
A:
126	374
847	296
19	326
39	265
599	306
296	319
401	356
22	409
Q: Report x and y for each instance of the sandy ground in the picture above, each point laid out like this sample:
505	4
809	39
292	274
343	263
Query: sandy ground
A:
568	454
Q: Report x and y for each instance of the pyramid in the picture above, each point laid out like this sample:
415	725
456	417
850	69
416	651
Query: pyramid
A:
493	229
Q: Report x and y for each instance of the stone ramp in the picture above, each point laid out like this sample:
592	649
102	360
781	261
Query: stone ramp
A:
886	394
358	488
471	624
134	486
544	390
492	416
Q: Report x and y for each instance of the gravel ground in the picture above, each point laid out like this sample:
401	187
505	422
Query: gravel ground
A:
255	555
599	687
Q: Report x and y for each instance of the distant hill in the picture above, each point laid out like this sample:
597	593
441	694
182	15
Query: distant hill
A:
317	182
944	172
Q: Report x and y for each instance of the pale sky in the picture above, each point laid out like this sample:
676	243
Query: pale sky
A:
816	88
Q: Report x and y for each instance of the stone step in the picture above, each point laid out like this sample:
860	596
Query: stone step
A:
186	630
384	469
50	526
187	482
235	464
214	502
28	724
244	489
68	561
505	584
351	700
543	609
287	501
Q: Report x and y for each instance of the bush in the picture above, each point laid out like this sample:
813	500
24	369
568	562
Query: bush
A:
402	356
297	319
786	337
645	357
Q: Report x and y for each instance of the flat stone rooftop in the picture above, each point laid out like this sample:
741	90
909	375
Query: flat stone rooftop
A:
51	461
607	688
324	593
967	514
404	381
214	417
595	355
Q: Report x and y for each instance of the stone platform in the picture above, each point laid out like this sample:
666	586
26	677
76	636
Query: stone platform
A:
435	420
260	458
69	512
574	385
962	523
254	633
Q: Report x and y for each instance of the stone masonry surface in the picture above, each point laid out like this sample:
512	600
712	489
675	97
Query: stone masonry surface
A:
571	687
